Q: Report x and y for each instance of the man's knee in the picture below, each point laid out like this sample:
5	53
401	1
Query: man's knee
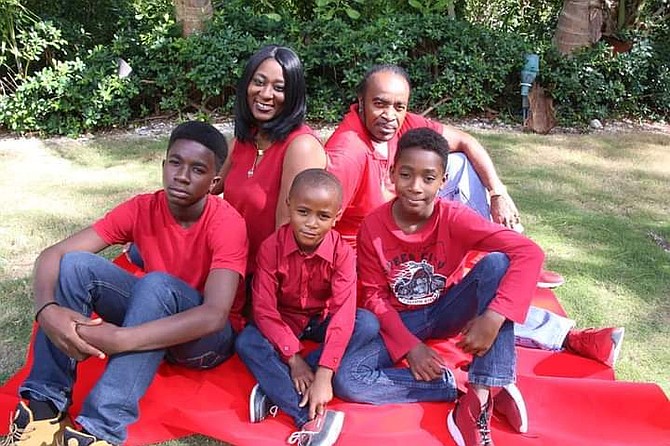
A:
246	342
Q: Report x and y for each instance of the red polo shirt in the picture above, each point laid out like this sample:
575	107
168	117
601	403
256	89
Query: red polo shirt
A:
290	287
364	172
400	272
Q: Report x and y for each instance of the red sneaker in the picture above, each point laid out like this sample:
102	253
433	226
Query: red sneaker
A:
601	344
549	279
509	404
469	423
323	430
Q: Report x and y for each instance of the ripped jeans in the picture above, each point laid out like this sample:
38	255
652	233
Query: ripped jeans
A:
88	283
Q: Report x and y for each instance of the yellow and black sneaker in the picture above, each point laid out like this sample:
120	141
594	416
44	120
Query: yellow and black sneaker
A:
77	438
24	430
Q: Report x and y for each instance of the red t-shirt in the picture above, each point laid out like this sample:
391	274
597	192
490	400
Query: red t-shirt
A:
291	287
217	240
364	172
399	271
255	197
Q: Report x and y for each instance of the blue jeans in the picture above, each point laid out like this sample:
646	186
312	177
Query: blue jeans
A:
273	374
464	185
88	283
367	375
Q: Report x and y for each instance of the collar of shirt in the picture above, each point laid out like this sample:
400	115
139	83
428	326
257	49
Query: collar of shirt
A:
325	250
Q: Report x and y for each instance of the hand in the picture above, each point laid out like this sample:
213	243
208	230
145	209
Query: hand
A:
301	373
504	211
60	325
425	363
319	393
103	336
480	332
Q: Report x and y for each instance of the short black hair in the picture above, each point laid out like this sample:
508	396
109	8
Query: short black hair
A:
395	69
205	134
425	139
295	104
317	177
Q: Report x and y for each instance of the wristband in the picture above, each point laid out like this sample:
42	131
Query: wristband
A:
497	192
37	314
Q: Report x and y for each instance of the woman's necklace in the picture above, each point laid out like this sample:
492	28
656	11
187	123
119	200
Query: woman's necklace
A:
259	154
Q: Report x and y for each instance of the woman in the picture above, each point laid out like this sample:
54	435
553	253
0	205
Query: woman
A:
272	143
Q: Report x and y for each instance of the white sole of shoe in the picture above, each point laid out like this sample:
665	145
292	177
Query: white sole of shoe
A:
453	429
514	392
617	338
252	397
336	429
549	284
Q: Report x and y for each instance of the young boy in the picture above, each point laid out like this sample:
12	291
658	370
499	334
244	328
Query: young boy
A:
194	248
304	288
407	250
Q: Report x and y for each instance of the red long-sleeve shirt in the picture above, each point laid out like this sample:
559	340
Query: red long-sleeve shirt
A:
290	287
401	271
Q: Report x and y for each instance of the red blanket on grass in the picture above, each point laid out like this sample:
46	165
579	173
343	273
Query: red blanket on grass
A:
571	401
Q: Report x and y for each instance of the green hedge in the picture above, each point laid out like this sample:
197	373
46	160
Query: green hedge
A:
462	67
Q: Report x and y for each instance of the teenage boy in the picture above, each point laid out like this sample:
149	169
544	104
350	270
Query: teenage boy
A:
407	250
194	248
304	288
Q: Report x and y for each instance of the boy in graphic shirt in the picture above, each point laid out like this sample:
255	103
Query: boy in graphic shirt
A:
304	288
407	250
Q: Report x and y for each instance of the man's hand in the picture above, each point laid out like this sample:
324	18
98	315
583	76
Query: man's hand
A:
103	336
319	393
480	332
425	363
60	325
504	211
301	373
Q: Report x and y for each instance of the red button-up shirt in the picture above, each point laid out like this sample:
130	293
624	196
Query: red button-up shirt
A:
290	287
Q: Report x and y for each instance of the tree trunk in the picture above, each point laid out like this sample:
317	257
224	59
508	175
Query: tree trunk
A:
579	25
192	14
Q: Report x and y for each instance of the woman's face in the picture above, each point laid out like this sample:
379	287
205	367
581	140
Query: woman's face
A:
265	92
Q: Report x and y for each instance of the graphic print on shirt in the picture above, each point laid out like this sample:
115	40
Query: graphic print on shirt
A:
416	283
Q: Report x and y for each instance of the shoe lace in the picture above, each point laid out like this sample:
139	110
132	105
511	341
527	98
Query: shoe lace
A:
484	428
300	438
15	433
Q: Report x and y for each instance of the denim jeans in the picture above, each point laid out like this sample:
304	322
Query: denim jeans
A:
367	375
464	185
273	374
88	283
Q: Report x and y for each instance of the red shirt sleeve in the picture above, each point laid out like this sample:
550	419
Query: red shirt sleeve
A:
346	160
517	286
341	306
376	294
265	288
117	225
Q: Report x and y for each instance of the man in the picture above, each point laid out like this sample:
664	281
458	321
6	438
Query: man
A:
360	149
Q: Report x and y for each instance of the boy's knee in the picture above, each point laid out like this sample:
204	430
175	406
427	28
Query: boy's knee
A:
366	322
244	343
75	260
496	262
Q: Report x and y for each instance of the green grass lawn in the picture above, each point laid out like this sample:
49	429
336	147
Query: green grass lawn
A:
599	205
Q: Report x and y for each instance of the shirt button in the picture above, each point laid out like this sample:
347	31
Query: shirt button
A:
286	348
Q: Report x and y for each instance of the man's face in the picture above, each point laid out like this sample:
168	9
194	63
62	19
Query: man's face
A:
384	105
